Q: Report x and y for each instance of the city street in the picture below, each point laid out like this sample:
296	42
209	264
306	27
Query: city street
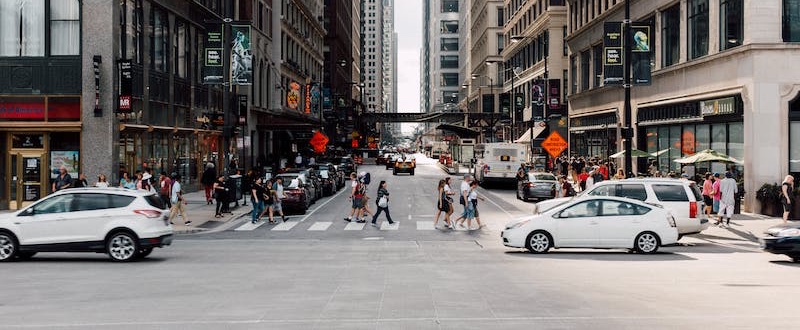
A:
316	273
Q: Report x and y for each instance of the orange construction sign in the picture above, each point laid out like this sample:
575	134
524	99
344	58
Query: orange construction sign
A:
554	144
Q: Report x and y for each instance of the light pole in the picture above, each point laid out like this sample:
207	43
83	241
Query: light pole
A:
491	89
516	39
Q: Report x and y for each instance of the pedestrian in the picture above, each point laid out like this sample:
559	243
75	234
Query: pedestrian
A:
442	205
247	183
521	172
165	188
708	193
620	175
382	202
463	195
277	200
125	180
787	189
365	211
715	196
473	204
220	194
81	181
728	190
63	180
257	194
582	179
567	190
298	161
208	178
146	183
588	183
355	198
178	203
101	181
603	170
449	192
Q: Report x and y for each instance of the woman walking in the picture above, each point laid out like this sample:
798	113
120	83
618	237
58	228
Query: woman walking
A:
220	194
257	194
787	189
443	205
208	181
382	202
708	199
473	206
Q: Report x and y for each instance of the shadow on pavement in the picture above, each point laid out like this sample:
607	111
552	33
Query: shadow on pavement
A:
88	258
617	255
787	263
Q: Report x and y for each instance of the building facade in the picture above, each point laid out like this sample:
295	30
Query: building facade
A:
372	54
389	63
342	69
718	83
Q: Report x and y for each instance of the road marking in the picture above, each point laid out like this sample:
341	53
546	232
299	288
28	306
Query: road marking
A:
495	204
285	226
354	226
425	225
320	226
310	212
409	217
247	226
386	226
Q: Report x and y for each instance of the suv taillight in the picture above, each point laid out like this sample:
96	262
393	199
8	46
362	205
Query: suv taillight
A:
693	209
148	213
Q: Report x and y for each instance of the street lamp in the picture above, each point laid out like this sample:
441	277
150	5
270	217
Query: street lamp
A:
516	39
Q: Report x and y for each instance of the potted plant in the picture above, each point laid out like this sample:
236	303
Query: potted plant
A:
769	195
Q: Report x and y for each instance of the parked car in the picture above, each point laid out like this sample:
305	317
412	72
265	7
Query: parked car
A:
330	173
384	158
537	185
347	164
783	239
405	164
312	181
594	222
297	190
125	224
681	197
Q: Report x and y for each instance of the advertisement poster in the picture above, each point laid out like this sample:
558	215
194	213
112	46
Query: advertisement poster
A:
212	68
612	53
293	96
640	51
69	159
241	56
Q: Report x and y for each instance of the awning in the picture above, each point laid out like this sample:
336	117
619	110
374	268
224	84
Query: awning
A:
461	131
526	138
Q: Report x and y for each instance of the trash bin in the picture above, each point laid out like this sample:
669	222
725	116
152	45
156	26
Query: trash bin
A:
235	187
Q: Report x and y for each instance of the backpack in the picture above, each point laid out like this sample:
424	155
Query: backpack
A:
366	178
570	189
361	189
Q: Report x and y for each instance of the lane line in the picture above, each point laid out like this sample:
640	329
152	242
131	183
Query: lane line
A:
320	226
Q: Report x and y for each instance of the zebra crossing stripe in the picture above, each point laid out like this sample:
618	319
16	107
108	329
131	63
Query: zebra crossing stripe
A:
249	226
386	226
285	226
425	225
320	226
354	226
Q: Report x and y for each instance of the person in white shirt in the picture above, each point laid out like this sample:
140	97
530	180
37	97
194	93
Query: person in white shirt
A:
176	197
590	180
728	189
463	197
101	181
298	161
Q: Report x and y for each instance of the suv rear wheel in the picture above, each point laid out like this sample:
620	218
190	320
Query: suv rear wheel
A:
122	246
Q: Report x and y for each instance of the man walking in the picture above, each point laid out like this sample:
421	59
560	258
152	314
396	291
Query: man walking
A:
178	203
728	189
165	188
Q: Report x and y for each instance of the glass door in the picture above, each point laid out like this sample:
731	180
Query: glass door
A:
26	179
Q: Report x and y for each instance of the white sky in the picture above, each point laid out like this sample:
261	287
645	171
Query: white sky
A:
408	24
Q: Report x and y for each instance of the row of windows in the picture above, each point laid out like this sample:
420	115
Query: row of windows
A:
584	11
301	23
528	17
27	26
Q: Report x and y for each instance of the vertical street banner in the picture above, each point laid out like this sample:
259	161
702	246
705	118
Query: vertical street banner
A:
613	69
554	93
640	53
241	56
125	86
242	110
537	98
308	98
293	96
212	48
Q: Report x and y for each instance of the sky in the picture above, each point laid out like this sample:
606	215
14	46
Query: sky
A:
408	25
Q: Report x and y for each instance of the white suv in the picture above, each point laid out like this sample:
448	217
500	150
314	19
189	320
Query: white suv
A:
125	224
682	197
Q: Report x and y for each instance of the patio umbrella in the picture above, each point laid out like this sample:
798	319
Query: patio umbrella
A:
659	153
634	153
708	155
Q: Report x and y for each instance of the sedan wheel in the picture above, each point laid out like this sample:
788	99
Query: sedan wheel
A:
647	242
8	247
539	242
122	246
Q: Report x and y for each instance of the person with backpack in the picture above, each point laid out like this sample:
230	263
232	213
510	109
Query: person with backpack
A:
356	196
566	188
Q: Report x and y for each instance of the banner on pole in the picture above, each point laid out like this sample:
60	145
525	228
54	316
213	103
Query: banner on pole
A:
241	56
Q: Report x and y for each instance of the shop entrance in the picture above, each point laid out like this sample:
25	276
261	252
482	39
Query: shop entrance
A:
27	178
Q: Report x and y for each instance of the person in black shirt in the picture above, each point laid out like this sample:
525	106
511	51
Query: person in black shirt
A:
63	180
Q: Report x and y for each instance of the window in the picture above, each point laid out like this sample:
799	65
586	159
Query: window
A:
65	27
159	40
580	210
573	64
698	28
449	26
449	97
131	20
449	44
731	24
597	53
791	20
670	36
57	204
500	21
181	48
449	6
501	43
634	191
622	208
670	193
794	135
22	28
449	62
449	79
585	60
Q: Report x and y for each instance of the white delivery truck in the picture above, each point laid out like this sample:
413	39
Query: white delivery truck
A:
498	162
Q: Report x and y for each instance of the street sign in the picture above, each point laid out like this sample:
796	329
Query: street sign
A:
554	144
319	141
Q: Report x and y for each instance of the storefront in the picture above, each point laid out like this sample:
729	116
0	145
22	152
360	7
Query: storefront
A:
678	130
38	135
593	135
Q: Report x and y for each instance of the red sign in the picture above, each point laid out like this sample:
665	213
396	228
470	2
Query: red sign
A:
22	110
124	103
308	98
319	141
64	109
554	144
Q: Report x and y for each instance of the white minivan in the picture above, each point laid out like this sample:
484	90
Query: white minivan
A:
681	197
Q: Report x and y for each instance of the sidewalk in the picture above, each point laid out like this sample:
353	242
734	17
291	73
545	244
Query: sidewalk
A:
202	215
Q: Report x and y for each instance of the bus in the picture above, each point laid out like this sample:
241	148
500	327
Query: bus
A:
498	162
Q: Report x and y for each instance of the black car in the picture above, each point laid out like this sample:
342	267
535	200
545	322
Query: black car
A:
537	186
313	182
329	177
783	239
347	164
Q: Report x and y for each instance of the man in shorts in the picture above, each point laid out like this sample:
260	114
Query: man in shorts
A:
277	195
355	199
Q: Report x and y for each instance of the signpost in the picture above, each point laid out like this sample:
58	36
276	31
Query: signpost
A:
554	144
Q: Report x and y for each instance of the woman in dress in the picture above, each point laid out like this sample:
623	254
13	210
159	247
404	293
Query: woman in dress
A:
442	205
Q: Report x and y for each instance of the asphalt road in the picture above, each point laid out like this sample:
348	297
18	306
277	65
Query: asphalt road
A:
407	278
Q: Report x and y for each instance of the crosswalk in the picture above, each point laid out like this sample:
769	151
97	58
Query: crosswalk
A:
322	226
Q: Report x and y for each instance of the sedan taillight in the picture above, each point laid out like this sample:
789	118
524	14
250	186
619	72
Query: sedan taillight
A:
148	213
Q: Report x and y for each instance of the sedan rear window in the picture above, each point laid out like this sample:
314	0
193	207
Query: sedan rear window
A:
541	176
154	201
670	193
